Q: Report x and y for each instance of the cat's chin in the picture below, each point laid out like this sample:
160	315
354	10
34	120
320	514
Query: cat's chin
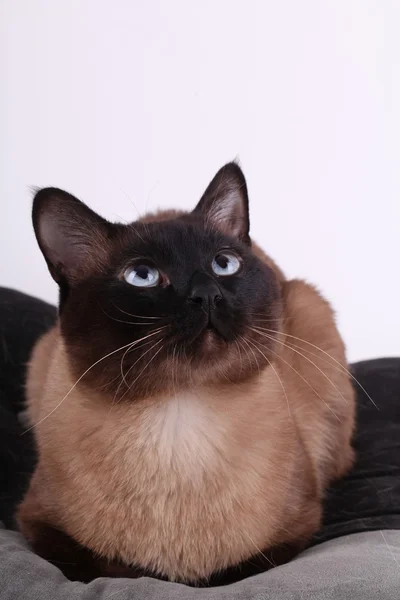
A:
210	341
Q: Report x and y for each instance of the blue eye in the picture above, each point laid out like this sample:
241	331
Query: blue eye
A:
225	263
142	276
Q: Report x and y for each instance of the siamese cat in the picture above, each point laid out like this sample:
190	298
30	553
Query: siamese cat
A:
190	406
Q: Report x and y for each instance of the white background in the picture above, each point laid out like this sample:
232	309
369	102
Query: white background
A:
137	103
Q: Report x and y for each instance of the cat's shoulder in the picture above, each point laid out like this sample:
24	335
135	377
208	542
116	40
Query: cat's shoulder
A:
305	298
309	315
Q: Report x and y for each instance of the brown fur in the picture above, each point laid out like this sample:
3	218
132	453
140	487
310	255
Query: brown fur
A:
194	480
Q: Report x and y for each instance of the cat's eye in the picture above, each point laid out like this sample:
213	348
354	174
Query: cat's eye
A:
142	276
225	263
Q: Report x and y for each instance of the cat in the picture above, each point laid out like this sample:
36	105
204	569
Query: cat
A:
190	406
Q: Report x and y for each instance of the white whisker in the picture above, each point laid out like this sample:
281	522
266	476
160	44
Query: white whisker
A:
307	359
259	551
327	354
240	355
174	372
123	380
252	351
135	347
305	381
277	375
127	322
144	368
248	356
136	316
76	383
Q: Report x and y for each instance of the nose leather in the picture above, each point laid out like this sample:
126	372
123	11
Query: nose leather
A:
204	291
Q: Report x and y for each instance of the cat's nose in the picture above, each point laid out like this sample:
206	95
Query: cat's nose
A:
204	292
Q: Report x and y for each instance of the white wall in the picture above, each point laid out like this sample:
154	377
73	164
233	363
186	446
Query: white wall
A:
135	102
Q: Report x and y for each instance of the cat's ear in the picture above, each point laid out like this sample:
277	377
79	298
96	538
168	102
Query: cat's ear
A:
71	236
225	204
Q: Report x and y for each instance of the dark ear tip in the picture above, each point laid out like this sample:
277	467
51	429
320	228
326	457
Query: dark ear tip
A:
40	199
232	174
44	196
54	193
233	168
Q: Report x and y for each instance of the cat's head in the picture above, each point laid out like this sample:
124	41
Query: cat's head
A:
171	300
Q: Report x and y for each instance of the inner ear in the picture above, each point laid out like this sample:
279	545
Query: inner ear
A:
72	237
225	204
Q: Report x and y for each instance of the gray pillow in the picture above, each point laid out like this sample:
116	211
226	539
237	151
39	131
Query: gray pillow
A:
361	566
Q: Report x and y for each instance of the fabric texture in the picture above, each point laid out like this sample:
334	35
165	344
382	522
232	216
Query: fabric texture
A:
363	566
366	503
369	497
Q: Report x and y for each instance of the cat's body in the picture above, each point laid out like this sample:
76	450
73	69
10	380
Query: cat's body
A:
224	453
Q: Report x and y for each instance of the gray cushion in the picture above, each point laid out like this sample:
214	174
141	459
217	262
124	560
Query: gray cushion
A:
361	566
